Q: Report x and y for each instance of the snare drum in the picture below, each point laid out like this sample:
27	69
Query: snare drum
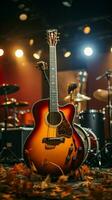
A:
90	142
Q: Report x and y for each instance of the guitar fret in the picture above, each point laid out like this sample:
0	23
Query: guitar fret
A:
53	80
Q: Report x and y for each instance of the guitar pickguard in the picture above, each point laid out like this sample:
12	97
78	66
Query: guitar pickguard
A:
64	128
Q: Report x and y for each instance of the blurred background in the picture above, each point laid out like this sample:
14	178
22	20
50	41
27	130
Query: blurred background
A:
84	51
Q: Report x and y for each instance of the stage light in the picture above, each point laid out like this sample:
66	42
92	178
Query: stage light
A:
86	29
1	52
37	54
23	17
19	53
67	3
67	54
88	51
31	41
84	73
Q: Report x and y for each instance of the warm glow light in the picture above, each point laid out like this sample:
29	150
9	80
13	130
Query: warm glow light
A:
37	54
1	52
23	17
67	54
87	29
31	41
19	53
88	51
111	49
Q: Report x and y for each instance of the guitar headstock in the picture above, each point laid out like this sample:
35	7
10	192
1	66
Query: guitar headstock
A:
53	37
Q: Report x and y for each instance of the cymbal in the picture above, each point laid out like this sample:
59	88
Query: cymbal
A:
21	104
2	125
77	98
101	95
7	104
8	89
12	104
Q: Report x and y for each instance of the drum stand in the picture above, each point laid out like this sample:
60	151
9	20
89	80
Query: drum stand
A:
109	105
7	156
107	151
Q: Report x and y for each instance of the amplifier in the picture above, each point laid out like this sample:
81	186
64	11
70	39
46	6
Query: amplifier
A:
15	138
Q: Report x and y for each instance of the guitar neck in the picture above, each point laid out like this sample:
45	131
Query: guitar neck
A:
53	79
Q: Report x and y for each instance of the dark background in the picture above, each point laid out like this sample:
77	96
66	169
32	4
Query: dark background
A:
69	21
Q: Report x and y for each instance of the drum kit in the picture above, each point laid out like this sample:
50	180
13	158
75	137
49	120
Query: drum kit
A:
11	109
90	124
12	117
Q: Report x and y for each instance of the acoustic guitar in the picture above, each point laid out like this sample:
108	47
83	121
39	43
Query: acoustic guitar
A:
53	147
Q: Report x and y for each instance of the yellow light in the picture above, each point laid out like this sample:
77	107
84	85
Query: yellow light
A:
37	54
19	53
87	29
88	51
23	17
67	54
111	49
31	41
1	52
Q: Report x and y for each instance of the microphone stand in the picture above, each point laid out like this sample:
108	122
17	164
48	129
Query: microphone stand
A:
106	151
108	75
43	66
109	105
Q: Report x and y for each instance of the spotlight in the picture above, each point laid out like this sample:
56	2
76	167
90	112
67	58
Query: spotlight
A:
37	54
67	54
23	17
88	51
31	41
19	53
1	52
86	29
67	3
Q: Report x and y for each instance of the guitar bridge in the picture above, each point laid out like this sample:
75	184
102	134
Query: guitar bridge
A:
53	140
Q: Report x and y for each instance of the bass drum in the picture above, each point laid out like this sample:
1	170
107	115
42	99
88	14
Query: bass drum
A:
90	142
93	157
94	120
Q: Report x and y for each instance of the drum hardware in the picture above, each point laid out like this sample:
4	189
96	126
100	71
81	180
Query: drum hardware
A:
12	104
76	97
108	154
6	154
107	96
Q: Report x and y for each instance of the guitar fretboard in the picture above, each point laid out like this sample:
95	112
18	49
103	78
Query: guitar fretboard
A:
53	80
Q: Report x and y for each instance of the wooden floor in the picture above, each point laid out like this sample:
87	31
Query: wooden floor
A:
17	182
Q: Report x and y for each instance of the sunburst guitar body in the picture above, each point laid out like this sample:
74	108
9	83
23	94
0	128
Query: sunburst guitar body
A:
53	147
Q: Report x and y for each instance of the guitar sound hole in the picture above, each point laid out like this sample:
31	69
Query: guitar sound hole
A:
54	118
